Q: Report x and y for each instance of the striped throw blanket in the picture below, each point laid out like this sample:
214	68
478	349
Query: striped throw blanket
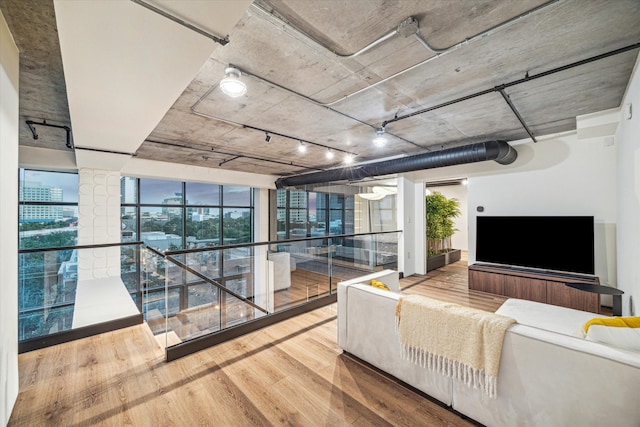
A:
456	341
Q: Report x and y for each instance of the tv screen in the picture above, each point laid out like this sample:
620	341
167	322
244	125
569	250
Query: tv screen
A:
557	243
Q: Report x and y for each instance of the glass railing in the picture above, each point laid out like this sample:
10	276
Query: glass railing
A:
61	289
189	294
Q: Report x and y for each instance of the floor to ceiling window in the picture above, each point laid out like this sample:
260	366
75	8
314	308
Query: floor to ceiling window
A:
48	218
301	214
173	215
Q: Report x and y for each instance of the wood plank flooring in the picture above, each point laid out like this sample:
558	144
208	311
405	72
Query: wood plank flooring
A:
292	373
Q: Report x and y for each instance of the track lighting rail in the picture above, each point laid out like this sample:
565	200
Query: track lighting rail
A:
286	89
295	138
31	123
234	155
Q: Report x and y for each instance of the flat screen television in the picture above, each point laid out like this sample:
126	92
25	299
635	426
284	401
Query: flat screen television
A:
554	243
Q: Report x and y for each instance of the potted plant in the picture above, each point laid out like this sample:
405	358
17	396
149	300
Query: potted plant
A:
440	213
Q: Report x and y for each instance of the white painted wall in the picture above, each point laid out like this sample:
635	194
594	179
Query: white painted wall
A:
559	175
460	240
573	177
46	159
628	187
42	158
163	170
9	122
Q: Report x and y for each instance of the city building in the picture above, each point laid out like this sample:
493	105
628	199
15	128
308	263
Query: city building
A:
37	192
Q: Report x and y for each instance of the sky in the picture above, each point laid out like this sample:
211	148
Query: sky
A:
153	191
67	181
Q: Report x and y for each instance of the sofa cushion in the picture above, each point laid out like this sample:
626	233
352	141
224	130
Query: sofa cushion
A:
621	332
552	318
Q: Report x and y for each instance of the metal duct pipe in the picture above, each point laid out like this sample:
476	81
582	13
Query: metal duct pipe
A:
499	151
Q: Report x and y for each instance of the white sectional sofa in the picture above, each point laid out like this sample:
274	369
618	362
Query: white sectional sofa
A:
548	376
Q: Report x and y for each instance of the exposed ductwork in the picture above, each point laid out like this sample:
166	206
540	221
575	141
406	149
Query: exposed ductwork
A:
499	151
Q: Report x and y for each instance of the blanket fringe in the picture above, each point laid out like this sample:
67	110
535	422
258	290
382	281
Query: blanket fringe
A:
451	368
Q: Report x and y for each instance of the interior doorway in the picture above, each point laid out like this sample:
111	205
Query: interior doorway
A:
455	189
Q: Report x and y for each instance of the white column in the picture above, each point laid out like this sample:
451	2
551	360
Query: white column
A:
98	222
263	269
9	125
411	245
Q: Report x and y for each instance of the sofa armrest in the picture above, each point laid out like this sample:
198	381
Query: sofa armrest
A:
343	305
367	330
391	278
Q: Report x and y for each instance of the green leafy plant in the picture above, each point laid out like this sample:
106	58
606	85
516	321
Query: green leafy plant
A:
440	212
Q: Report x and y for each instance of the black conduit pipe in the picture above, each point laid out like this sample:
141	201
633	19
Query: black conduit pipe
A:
499	151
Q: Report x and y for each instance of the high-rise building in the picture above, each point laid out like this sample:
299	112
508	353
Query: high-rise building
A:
172	211
37	192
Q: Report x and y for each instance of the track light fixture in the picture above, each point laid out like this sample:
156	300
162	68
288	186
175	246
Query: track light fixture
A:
231	85
302	144
380	139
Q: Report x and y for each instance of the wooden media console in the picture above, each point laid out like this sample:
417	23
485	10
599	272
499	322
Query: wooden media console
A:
535	285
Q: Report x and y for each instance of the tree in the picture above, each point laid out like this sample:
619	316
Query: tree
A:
151	225
50	240
440	212
236	230
174	226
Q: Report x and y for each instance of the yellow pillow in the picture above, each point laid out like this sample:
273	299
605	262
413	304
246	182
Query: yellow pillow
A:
620	322
621	332
378	284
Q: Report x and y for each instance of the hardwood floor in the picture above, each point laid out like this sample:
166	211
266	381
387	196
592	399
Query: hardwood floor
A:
450	283
292	373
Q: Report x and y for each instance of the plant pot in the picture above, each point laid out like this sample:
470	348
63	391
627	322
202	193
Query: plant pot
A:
453	256
440	260
436	261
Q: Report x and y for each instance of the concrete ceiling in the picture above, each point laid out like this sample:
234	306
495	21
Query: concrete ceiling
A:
301	85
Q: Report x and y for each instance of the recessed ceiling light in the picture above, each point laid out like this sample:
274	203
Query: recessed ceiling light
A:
302	148
231	85
329	154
